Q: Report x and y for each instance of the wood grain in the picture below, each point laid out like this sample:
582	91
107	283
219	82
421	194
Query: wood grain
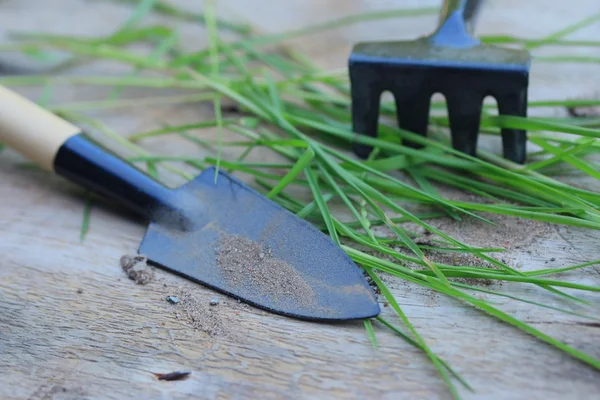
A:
72	326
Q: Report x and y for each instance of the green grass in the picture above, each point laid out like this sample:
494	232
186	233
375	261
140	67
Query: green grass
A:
85	225
300	113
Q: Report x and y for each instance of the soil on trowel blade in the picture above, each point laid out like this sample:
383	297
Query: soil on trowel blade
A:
243	260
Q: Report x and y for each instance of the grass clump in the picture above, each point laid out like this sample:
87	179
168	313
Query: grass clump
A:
287	106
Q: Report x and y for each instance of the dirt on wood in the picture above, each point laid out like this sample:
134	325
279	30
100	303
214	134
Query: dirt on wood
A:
202	316
508	232
243	260
195	307
214	320
466	260
137	269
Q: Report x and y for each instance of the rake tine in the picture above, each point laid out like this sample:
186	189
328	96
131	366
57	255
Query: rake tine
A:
514	141
412	109
464	113
366	100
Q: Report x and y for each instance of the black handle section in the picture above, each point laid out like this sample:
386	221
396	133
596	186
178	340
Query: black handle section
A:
87	164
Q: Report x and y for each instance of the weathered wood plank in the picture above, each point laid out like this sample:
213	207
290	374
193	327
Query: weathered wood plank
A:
73	326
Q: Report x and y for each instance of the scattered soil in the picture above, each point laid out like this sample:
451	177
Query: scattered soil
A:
194	306
244	260
463	259
509	232
214	321
442	257
371	283
137	269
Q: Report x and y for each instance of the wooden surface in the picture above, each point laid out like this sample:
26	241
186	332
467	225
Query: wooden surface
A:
72	326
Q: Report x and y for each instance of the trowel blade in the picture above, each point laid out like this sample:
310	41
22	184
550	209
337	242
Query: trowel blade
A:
246	246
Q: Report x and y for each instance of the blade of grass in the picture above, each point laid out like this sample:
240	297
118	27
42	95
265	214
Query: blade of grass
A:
163	47
434	359
310	207
211	27
171	10
419	346
508	296
552	271
566	31
85	223
320	201
370	333
427	187
567	156
294	171
143	8
178	128
482	305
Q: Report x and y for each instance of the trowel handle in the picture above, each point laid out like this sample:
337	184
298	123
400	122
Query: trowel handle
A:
59	146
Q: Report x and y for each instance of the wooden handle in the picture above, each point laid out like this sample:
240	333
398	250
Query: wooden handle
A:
31	130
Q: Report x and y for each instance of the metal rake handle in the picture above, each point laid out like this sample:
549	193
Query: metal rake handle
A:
470	10
456	23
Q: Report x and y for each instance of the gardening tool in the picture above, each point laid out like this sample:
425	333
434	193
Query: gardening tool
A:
194	230
449	61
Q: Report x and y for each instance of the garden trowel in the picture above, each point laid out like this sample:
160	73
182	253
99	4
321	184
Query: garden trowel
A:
218	232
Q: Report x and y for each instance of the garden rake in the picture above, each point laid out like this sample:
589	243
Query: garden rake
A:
448	61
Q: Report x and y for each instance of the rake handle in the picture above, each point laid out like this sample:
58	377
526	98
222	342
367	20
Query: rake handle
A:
469	8
470	13
456	23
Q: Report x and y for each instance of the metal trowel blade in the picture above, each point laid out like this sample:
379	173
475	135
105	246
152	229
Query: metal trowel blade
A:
244	245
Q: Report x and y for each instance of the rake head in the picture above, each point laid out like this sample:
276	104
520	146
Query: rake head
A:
451	62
